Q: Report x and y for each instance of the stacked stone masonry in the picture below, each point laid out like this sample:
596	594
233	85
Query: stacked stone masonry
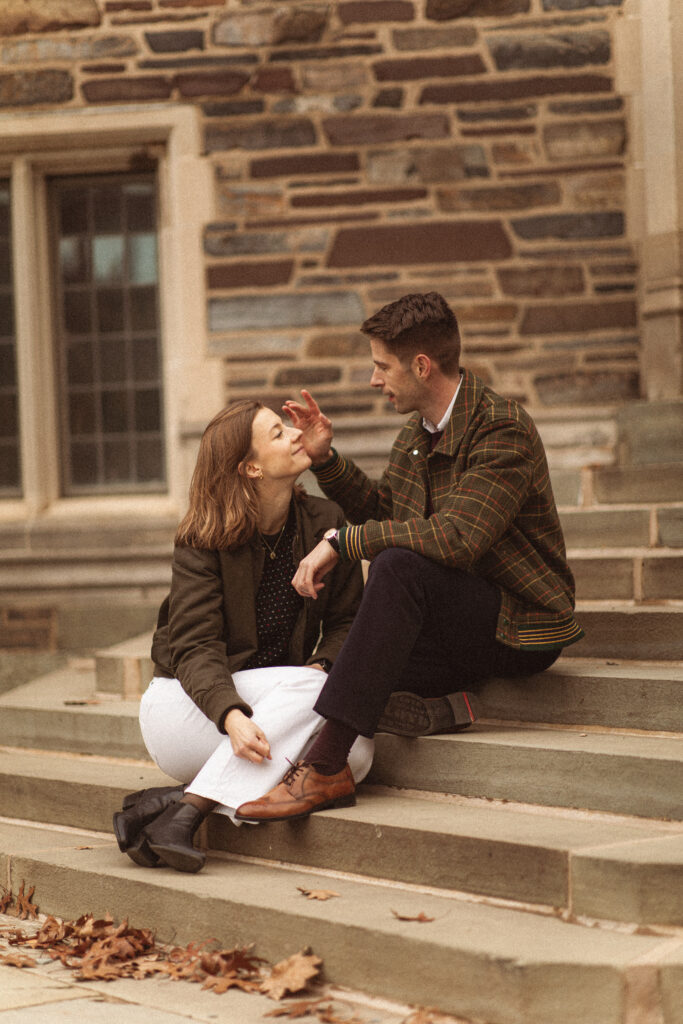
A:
362	149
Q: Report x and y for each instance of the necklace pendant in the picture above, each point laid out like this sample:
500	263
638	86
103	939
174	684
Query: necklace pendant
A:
272	556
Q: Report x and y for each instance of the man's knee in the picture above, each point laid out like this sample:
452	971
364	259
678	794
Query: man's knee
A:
397	561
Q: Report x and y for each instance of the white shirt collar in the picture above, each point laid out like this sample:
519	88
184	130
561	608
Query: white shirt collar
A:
441	425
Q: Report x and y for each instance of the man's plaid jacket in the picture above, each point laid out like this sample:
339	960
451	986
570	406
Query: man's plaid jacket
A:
493	511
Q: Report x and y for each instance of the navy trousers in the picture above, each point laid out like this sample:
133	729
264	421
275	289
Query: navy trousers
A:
421	627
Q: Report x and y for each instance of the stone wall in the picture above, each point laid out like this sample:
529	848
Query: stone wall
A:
361	149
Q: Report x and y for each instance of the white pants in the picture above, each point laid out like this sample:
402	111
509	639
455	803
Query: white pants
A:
187	746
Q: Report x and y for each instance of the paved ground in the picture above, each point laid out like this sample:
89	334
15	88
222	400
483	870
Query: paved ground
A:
49	992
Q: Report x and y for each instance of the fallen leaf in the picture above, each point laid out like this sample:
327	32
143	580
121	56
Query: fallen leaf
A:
421	917
303	1008
426	1016
5	900
291	975
78	703
24	907
17	960
317	894
85	847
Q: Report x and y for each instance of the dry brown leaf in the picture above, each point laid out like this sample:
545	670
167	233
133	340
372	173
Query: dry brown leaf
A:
291	975
25	908
5	900
421	917
317	894
425	1016
302	1008
17	960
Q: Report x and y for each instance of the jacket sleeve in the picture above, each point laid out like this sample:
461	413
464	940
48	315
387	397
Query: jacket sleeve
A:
196	634
477	510
345	584
360	497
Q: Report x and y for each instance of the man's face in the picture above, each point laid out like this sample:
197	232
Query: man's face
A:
399	383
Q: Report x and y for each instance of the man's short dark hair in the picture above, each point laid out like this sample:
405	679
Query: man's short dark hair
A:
418	323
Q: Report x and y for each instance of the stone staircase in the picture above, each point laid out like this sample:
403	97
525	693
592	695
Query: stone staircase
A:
545	844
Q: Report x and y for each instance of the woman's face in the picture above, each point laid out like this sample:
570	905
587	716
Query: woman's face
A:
276	448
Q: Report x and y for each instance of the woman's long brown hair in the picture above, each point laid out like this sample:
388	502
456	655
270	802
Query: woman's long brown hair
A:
223	510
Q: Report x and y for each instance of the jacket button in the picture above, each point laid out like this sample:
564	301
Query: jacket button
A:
415	451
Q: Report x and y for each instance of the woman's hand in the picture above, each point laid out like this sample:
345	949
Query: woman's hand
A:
308	578
247	738
315	427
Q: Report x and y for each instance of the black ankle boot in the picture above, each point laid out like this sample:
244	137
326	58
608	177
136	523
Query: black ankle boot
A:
170	836
139	809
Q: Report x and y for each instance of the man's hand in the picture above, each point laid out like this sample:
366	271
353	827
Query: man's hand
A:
316	428
247	738
307	580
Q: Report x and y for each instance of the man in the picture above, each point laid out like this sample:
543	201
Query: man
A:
468	575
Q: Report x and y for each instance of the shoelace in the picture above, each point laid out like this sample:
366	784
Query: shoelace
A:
293	771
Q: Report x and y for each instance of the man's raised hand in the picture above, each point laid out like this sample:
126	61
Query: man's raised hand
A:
316	428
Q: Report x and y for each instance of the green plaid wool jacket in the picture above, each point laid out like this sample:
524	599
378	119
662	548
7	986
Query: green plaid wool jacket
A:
494	511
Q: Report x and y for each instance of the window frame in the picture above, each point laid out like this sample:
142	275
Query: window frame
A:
35	147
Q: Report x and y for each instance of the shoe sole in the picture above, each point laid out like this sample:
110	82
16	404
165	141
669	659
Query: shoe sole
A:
141	855
342	801
408	714
178	859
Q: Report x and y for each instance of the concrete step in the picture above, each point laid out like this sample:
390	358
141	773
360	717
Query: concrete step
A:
126	668
591	692
641	574
623	484
625	630
485	962
607	527
501	851
636	774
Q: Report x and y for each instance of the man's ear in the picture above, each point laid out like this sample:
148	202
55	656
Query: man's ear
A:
422	366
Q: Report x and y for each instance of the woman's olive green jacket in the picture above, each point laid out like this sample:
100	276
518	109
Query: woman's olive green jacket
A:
206	628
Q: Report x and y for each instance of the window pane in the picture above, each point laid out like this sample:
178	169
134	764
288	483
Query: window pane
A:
10	464
106	258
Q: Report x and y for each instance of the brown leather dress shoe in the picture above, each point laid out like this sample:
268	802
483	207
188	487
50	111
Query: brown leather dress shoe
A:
301	791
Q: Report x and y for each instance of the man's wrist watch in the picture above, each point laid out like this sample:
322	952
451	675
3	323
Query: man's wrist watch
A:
332	538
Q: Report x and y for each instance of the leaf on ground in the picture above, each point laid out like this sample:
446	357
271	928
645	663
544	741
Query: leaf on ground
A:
291	975
426	1016
224	982
302	1008
5	900
317	894
421	917
17	960
25	909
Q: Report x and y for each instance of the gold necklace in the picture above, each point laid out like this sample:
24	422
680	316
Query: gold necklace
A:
267	545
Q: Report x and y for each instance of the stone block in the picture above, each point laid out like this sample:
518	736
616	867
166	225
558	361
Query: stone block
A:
663	579
626	484
566	486
271	26
388	98
493	89
66	48
570	225
583	388
282	311
638	633
382	11
445	163
410	70
339	346
123	90
271	133
433	242
520	52
651	432
578	316
273	80
361	197
504	197
250	275
307	376
377	128
516	152
218	242
18	17
27	88
28	628
578	5
211	83
670	526
601	191
304	164
233	108
248	348
175	41
444	10
518	113
602	578
557	280
434	38
585	140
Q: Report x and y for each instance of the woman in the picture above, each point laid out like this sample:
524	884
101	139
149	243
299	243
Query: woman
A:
239	656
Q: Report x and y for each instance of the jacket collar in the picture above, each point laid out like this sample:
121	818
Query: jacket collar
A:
414	436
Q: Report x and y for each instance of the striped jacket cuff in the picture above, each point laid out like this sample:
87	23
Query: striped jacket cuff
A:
329	472
351	548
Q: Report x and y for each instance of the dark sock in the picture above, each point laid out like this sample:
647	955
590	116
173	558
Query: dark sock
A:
200	802
330	752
